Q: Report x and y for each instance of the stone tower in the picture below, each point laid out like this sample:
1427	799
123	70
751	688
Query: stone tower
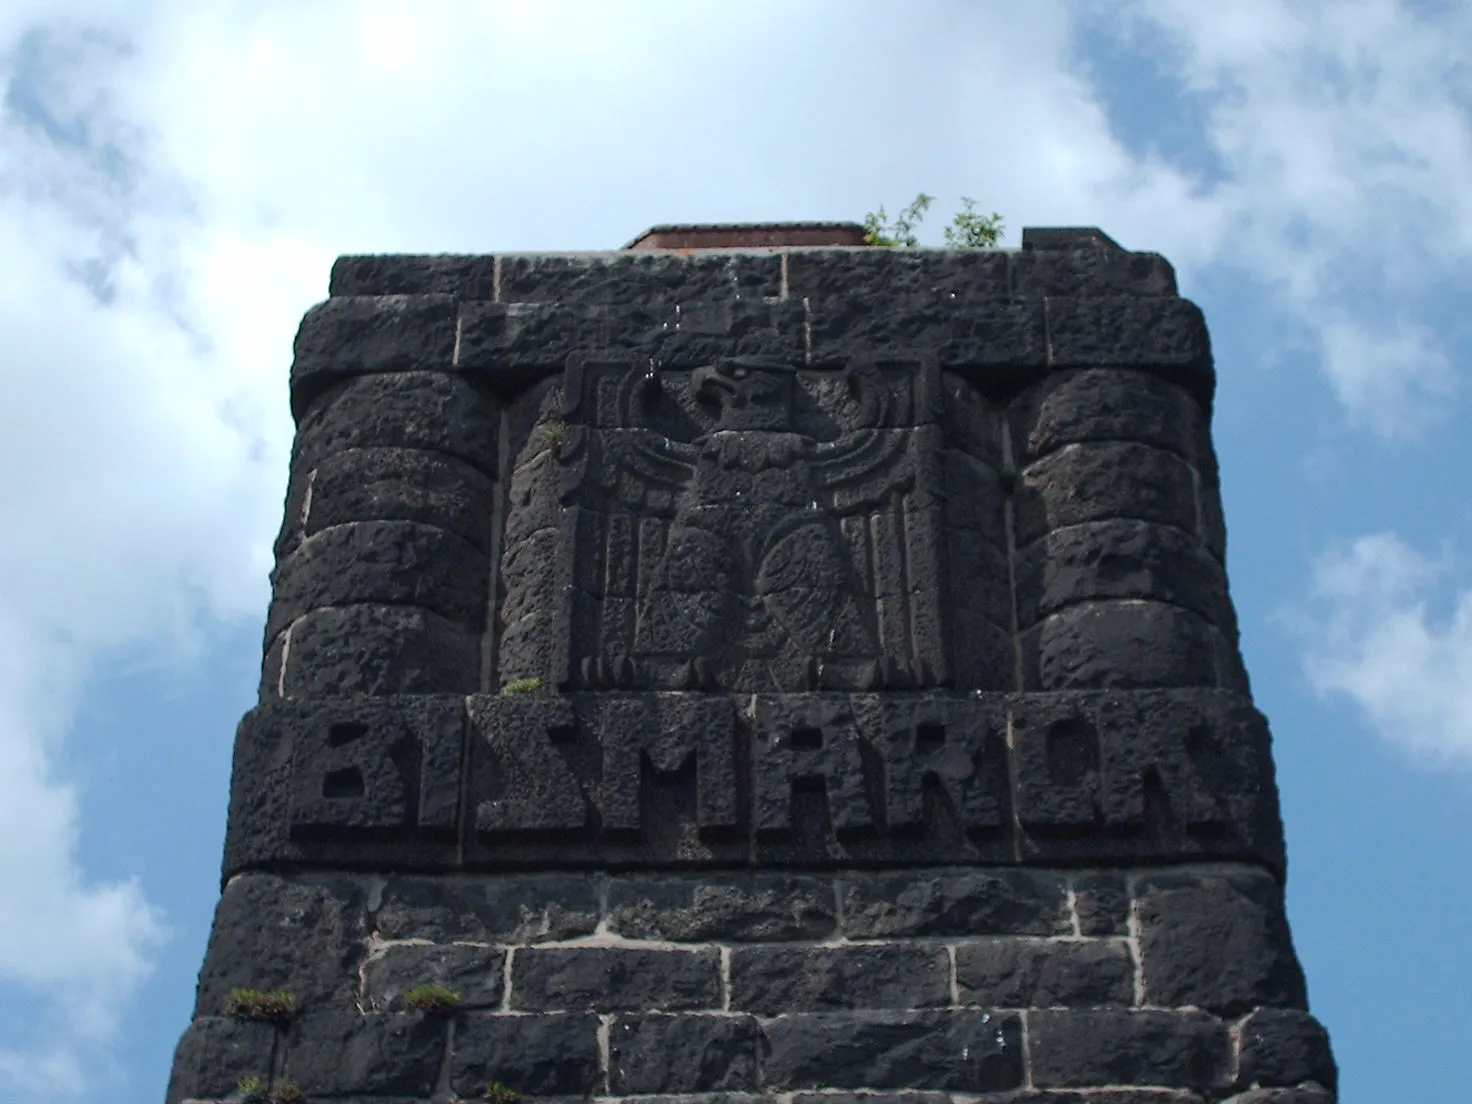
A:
754	664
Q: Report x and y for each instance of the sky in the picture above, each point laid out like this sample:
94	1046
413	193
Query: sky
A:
176	179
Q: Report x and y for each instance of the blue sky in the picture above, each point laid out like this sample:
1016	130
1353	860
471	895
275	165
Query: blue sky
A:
175	181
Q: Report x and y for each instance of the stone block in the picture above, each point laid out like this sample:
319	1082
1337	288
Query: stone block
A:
1302	1094
1102	480
378	650
465	276
1044	973
729	907
474	973
1073	406
554	1055
1089	268
890	278
995	342
341	1052
216	1054
530	908
1218	942
1120	558
943	902
775	980
639	279
1278	1046
1126	644
398	484
346	337
963	1051
1082	1048
320	780
433	411
1101	902
302	934
1140	775
1127	331
610	979
682	1054
391	563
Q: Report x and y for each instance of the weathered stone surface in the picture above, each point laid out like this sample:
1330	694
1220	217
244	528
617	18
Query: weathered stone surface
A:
1121	558
1087	267
1101	901
773	980
434	411
1099	481
466	276
1216	942
553	1055
888	277
340	1052
998	340
1043	973
1149	331
1083	1047
607	279
376	650
1105	404
1129	644
966	1051
215	1054
1279	1046
1302	1094
472	972
513	909
271	933
885	1098
346	337
401	484
682	1054
749	907
1003	902
610	979
1095	1096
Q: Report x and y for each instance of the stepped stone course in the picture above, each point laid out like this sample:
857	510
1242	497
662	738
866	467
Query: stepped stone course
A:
782	670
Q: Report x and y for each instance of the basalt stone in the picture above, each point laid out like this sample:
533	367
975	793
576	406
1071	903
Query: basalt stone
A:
512	909
377	649
1002	341
473	973
1039	973
606	279
347	337
682	1054
302	935
1080	1048
609	979
468	276
1001	902
1096	1096
1277	1046
887	1098
392	563
1302	1094
396	484
341	1052
963	1051
887	277
1088	267
1129	644
1218	942
773	980
1099	481
1105	404
1165	335
740	908
432	411
1102	903
553	1055
216	1054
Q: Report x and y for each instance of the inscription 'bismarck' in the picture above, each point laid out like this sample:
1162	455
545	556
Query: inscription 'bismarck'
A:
659	778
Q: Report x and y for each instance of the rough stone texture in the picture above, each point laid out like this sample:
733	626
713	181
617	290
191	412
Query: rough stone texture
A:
752	672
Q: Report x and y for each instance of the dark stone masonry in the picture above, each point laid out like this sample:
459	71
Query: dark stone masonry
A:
771	668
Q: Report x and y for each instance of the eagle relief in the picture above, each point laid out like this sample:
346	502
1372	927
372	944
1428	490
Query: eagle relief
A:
742	526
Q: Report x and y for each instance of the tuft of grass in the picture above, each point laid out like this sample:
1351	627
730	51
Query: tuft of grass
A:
522	686
497	1093
553	435
251	1089
433	999
276	1006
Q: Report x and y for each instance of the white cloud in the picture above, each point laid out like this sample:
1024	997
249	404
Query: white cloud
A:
1377	643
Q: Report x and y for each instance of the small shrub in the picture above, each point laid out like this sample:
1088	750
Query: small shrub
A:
250	1090
522	686
497	1093
967	230
433	999
284	1092
276	1006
